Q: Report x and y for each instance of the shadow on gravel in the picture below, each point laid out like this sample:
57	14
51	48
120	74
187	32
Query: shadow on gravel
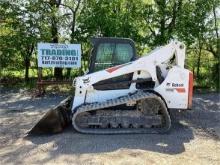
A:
71	142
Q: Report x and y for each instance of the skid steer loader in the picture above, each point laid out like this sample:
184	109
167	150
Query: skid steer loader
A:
122	93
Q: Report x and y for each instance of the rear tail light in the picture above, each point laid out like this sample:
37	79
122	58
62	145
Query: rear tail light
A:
190	91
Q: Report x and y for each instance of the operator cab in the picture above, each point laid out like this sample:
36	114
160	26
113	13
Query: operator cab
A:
109	52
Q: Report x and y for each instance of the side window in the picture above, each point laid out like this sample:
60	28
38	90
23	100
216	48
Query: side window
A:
123	53
111	54
104	55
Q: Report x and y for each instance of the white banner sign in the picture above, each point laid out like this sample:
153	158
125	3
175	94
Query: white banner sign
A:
59	55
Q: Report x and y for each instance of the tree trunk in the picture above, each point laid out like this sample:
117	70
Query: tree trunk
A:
193	70
198	64
27	65
217	66
68	72
27	57
217	81
57	71
162	6
54	31
72	35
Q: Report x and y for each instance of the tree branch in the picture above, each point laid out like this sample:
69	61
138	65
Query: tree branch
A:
211	50
176	9
153	32
73	10
77	7
69	7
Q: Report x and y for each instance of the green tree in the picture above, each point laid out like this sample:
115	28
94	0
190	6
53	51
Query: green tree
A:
22	35
161	19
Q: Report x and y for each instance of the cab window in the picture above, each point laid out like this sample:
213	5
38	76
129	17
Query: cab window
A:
111	54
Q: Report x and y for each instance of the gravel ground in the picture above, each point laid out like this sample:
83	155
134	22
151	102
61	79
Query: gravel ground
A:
194	138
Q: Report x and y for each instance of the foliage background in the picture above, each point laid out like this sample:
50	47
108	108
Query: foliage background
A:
149	23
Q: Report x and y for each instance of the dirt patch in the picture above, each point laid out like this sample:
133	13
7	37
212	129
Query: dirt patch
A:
194	138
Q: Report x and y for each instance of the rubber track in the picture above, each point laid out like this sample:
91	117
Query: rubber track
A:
139	95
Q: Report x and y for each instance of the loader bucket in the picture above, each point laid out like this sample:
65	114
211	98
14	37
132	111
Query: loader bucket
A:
55	120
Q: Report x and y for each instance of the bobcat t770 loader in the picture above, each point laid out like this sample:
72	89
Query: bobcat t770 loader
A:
122	93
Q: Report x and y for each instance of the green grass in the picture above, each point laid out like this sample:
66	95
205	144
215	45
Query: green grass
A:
21	73
15	79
